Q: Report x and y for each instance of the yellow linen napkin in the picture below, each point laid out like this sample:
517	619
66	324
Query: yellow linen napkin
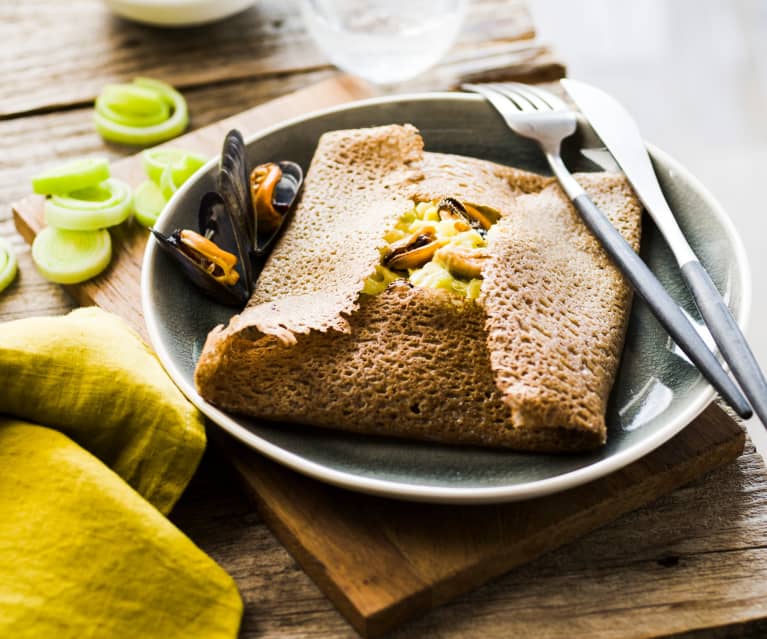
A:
83	555
90	376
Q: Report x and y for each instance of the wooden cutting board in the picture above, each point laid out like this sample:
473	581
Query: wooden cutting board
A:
381	561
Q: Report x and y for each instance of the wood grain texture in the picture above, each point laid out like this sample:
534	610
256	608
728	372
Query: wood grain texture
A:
94	48
692	560
383	562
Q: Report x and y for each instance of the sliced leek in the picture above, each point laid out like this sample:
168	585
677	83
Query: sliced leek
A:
132	105
72	176
96	207
124	112
8	265
155	161
148	203
69	257
174	175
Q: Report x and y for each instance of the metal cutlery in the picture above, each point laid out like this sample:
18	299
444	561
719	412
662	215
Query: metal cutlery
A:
617	129
545	118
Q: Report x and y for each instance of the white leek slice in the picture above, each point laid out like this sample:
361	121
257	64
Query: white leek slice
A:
97	207
70	257
133	128
8	266
155	161
148	203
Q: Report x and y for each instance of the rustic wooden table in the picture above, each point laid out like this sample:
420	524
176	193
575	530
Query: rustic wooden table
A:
693	564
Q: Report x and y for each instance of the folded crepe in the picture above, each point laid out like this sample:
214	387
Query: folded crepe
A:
529	365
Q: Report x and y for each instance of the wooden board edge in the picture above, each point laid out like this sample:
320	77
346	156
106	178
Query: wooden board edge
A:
641	494
373	624
410	607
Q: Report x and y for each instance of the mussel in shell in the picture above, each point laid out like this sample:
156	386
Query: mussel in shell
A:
479	219
414	251
273	187
206	265
238	224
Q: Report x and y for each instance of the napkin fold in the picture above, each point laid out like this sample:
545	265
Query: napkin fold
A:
83	555
82	552
92	377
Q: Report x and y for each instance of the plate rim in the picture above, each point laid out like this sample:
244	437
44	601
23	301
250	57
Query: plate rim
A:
420	492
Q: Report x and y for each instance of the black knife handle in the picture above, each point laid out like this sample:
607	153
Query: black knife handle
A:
661	303
728	336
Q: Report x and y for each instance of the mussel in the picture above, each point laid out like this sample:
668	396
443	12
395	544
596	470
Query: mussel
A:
414	251
463	263
480	219
273	188
238	224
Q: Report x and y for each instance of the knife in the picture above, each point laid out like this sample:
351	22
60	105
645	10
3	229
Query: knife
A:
620	134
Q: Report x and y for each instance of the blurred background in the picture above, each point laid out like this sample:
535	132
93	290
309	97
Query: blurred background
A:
694	75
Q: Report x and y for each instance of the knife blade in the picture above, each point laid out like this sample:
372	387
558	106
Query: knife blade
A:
620	134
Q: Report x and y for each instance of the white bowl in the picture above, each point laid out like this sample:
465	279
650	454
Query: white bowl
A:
177	13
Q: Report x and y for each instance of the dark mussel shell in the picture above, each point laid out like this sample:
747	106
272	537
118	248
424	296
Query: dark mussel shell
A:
223	228
289	186
235	295
233	185
284	197
227	218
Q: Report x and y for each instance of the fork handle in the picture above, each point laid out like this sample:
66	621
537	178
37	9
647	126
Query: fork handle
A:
663	306
728	336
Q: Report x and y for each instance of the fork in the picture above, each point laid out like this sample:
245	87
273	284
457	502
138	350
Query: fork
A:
545	118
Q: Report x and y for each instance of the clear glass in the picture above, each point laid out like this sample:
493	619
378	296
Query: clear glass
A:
384	41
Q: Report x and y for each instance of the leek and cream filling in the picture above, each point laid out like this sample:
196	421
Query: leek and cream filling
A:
440	244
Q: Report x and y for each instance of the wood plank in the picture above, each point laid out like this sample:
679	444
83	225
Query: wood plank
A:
33	142
94	48
70	133
383	561
694	559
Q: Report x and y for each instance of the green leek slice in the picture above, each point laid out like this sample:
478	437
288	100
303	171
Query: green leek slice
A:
155	161
139	133
187	167
8	265
132	105
96	207
168	184
69	257
148	203
72	176
174	175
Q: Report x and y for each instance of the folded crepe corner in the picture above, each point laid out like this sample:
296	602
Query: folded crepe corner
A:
529	365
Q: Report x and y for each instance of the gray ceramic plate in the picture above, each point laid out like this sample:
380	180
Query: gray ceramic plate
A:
655	395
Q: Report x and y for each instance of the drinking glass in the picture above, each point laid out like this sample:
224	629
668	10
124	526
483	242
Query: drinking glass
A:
384	41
